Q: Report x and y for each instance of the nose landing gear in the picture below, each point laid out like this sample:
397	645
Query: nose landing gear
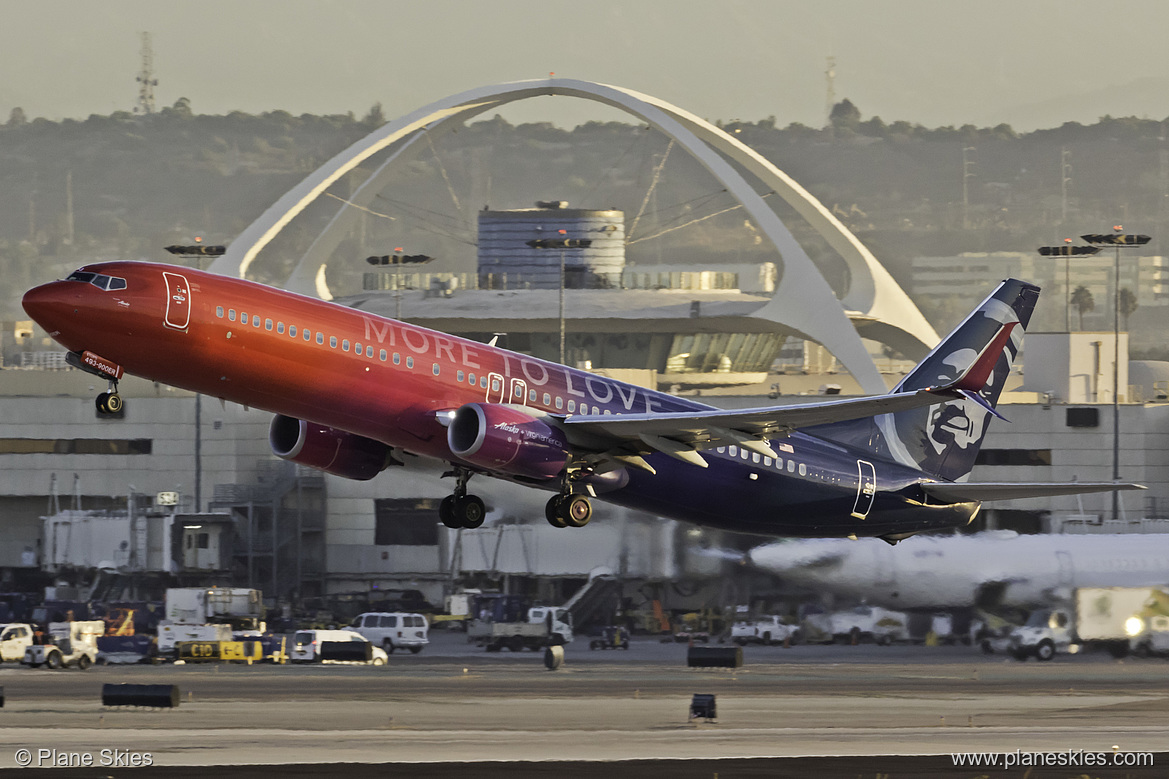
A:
109	403
461	510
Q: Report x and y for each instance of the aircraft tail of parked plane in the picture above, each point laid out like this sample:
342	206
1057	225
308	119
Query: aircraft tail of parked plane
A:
350	389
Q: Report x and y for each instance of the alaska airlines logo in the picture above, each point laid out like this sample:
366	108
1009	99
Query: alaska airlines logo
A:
527	435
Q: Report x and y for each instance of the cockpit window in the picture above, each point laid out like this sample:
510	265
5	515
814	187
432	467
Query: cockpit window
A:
97	279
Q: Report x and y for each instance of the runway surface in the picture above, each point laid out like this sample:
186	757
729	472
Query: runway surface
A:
865	710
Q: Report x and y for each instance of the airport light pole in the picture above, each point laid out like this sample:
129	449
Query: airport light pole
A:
1116	239
397	260
561	243
197	251
1067	251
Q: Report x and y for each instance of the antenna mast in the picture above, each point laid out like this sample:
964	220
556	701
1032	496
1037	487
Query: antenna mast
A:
830	75
146	80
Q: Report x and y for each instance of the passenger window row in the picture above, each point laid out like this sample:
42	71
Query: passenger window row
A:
307	335
755	457
396	358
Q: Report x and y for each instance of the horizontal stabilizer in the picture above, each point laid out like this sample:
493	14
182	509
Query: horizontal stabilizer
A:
956	492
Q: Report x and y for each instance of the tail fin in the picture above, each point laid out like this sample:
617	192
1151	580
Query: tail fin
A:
944	440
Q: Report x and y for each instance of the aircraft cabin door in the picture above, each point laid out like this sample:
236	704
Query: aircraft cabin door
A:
494	388
178	301
519	392
866	489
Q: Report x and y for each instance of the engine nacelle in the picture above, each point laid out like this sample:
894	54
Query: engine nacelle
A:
327	449
505	439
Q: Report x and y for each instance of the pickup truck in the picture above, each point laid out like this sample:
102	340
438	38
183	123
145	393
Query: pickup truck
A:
869	623
764	630
15	637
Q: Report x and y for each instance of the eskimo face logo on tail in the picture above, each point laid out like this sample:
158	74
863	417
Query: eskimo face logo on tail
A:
944	439
958	426
958	423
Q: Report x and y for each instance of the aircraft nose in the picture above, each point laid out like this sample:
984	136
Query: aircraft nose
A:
47	304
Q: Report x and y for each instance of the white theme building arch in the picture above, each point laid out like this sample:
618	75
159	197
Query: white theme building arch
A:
803	300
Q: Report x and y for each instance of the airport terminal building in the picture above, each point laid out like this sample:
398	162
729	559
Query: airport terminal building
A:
177	474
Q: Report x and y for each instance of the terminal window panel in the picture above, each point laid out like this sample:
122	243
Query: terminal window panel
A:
1083	417
114	446
407	522
723	352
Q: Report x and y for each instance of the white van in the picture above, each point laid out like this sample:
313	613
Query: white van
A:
393	630
306	646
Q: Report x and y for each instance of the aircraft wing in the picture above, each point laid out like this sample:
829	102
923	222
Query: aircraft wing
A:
621	440
682	434
963	491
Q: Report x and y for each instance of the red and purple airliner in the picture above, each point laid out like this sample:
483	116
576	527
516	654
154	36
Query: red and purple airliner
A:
350	389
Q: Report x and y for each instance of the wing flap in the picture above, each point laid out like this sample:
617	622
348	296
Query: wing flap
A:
956	492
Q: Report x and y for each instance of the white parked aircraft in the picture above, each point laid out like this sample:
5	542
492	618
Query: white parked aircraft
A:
986	570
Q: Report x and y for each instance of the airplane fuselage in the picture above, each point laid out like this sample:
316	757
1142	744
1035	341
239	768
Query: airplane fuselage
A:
396	383
951	572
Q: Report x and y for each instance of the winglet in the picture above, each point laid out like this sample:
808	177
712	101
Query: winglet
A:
974	397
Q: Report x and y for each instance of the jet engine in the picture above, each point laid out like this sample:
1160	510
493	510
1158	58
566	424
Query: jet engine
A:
327	449
506	439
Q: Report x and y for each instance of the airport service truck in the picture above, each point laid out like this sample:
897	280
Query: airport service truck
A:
200	605
208	614
1148	629
1097	619
545	626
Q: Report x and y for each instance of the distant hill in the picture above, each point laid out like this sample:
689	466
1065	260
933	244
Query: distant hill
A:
137	184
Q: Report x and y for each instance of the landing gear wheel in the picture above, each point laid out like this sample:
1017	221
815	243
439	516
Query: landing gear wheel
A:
471	511
108	403
467	511
576	510
552	512
446	513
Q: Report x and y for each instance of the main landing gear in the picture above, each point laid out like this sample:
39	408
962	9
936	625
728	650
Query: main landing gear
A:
568	510
462	510
109	403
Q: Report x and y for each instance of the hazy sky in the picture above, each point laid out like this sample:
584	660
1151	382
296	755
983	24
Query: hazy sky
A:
1032	63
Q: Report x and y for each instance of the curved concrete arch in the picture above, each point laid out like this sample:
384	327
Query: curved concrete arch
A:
805	302
872	291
